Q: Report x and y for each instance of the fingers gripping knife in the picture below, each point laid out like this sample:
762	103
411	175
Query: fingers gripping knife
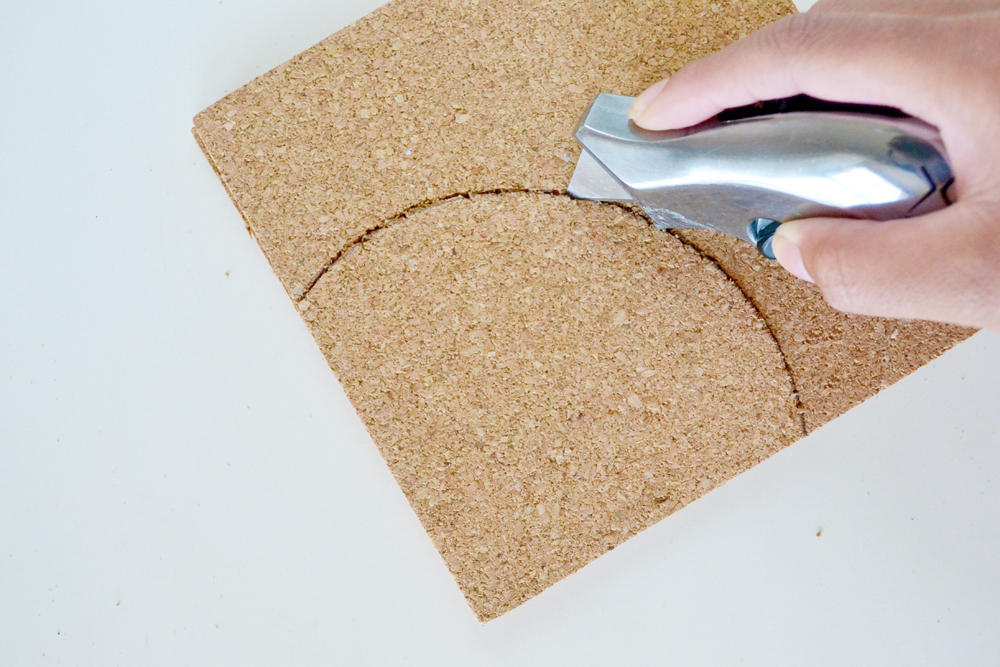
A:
748	170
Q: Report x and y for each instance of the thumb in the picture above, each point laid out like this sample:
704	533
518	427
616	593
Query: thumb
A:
944	266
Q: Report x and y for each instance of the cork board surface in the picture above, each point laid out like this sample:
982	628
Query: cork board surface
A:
544	377
547	378
836	360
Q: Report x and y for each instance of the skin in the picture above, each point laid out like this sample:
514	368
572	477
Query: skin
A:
936	60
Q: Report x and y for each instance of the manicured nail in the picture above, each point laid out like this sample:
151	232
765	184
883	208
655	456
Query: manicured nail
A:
786	249
645	98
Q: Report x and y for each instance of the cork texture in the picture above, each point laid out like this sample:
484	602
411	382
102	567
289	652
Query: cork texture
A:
547	378
836	360
544	377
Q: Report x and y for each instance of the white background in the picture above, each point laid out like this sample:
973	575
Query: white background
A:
182	481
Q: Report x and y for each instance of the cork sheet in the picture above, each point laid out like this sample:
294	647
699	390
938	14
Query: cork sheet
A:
544	377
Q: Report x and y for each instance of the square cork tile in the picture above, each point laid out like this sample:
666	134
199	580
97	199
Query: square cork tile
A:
544	377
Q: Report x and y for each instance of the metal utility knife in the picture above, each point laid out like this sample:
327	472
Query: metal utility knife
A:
748	170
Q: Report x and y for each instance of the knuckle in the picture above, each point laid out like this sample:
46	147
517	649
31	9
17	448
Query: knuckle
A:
831	6
836	281
795	36
981	283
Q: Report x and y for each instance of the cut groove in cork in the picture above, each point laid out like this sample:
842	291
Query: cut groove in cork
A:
627	208
546	378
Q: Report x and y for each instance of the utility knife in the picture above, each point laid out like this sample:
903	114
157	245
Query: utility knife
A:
747	170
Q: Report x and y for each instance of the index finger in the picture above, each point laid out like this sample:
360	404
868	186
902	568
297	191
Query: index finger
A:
881	59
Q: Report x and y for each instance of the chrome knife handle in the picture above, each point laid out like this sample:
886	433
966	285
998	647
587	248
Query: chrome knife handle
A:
746	171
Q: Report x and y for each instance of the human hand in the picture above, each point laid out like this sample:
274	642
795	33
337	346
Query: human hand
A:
937	61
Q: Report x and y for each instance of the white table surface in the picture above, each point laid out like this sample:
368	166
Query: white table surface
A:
182	481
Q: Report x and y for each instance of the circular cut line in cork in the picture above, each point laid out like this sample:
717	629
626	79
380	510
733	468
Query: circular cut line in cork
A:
546	378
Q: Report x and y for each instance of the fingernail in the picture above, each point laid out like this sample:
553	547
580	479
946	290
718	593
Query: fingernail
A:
786	250
645	98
